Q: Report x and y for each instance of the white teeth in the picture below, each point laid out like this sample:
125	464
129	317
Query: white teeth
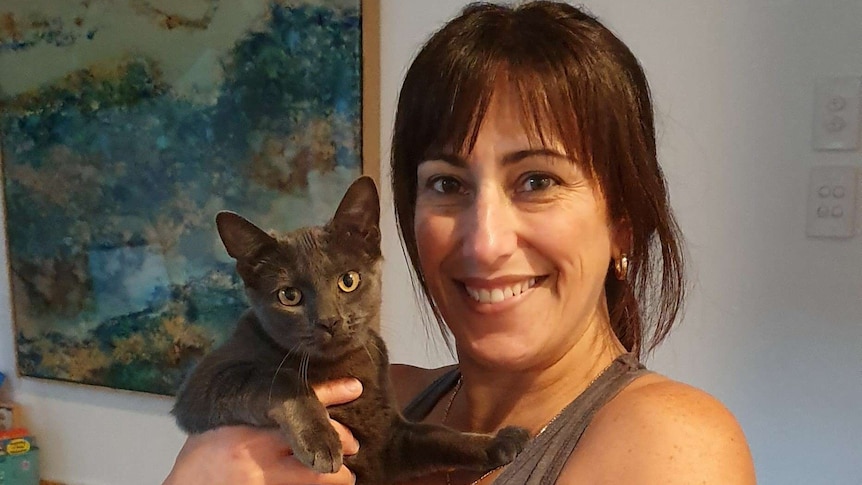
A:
496	295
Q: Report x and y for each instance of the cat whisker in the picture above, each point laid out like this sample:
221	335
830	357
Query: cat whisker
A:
367	351
275	376
304	368
374	343
277	370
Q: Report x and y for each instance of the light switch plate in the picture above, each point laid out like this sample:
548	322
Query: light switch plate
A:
832	202
837	110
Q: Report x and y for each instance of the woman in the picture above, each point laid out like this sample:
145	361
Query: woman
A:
535	215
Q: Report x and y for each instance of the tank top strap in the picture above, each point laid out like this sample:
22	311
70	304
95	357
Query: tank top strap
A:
424	402
541	462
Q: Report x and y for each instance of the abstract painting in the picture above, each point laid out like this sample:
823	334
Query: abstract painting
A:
126	126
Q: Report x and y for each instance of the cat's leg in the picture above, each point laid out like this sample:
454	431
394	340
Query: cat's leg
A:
222	392
229	392
417	449
305	424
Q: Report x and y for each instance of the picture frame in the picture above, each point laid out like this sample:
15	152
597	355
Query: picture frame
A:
126	126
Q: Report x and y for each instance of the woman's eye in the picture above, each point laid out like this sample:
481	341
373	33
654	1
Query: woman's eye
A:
348	281
445	185
536	181
289	296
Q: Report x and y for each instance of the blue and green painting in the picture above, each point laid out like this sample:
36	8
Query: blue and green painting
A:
126	126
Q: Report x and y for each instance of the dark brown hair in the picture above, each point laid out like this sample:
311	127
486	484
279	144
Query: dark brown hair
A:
577	83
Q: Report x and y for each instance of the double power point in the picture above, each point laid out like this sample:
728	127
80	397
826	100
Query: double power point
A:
832	202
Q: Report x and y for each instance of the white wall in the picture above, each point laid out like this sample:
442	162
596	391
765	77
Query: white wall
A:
774	322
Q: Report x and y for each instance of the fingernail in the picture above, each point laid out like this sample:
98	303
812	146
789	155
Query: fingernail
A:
353	385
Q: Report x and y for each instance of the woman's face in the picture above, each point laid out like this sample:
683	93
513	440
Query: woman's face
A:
514	242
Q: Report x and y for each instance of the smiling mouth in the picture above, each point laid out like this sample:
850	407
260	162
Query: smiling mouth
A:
501	293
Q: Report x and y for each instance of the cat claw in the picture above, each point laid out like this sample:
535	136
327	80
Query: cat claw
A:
321	461
320	451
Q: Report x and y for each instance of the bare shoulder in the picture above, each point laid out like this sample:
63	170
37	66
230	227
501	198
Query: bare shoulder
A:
408	381
661	431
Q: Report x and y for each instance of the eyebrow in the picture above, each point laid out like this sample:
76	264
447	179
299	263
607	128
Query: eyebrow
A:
508	159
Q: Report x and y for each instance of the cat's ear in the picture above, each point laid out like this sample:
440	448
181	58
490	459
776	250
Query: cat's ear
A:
242	239
359	210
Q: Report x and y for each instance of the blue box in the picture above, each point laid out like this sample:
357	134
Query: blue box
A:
19	461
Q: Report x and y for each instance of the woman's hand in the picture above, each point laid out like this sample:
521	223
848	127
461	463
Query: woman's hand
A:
241	455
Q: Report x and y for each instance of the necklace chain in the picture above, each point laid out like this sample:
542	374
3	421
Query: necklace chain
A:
546	426
451	400
446	417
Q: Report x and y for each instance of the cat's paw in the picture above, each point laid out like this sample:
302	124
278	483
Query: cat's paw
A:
319	449
506	445
307	429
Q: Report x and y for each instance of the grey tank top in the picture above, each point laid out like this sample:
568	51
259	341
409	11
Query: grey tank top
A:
541	462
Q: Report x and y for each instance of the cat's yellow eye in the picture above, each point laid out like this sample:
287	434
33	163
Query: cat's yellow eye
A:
349	281
289	296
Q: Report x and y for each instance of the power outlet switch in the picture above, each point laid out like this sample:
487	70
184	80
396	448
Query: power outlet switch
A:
837	109
832	201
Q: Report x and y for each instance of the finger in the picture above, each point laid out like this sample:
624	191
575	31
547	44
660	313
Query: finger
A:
295	472
349	445
341	477
339	391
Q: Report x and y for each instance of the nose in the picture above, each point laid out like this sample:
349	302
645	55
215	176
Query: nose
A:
328	324
488	229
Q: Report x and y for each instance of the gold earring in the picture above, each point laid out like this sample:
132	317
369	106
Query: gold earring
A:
621	267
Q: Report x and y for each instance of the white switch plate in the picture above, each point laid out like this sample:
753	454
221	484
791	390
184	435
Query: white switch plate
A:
837	109
832	202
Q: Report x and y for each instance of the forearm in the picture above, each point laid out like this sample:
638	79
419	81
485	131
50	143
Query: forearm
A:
249	456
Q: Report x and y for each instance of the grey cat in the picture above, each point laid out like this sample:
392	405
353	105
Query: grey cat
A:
315	316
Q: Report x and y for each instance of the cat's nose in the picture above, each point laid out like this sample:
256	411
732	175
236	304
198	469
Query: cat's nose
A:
328	324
